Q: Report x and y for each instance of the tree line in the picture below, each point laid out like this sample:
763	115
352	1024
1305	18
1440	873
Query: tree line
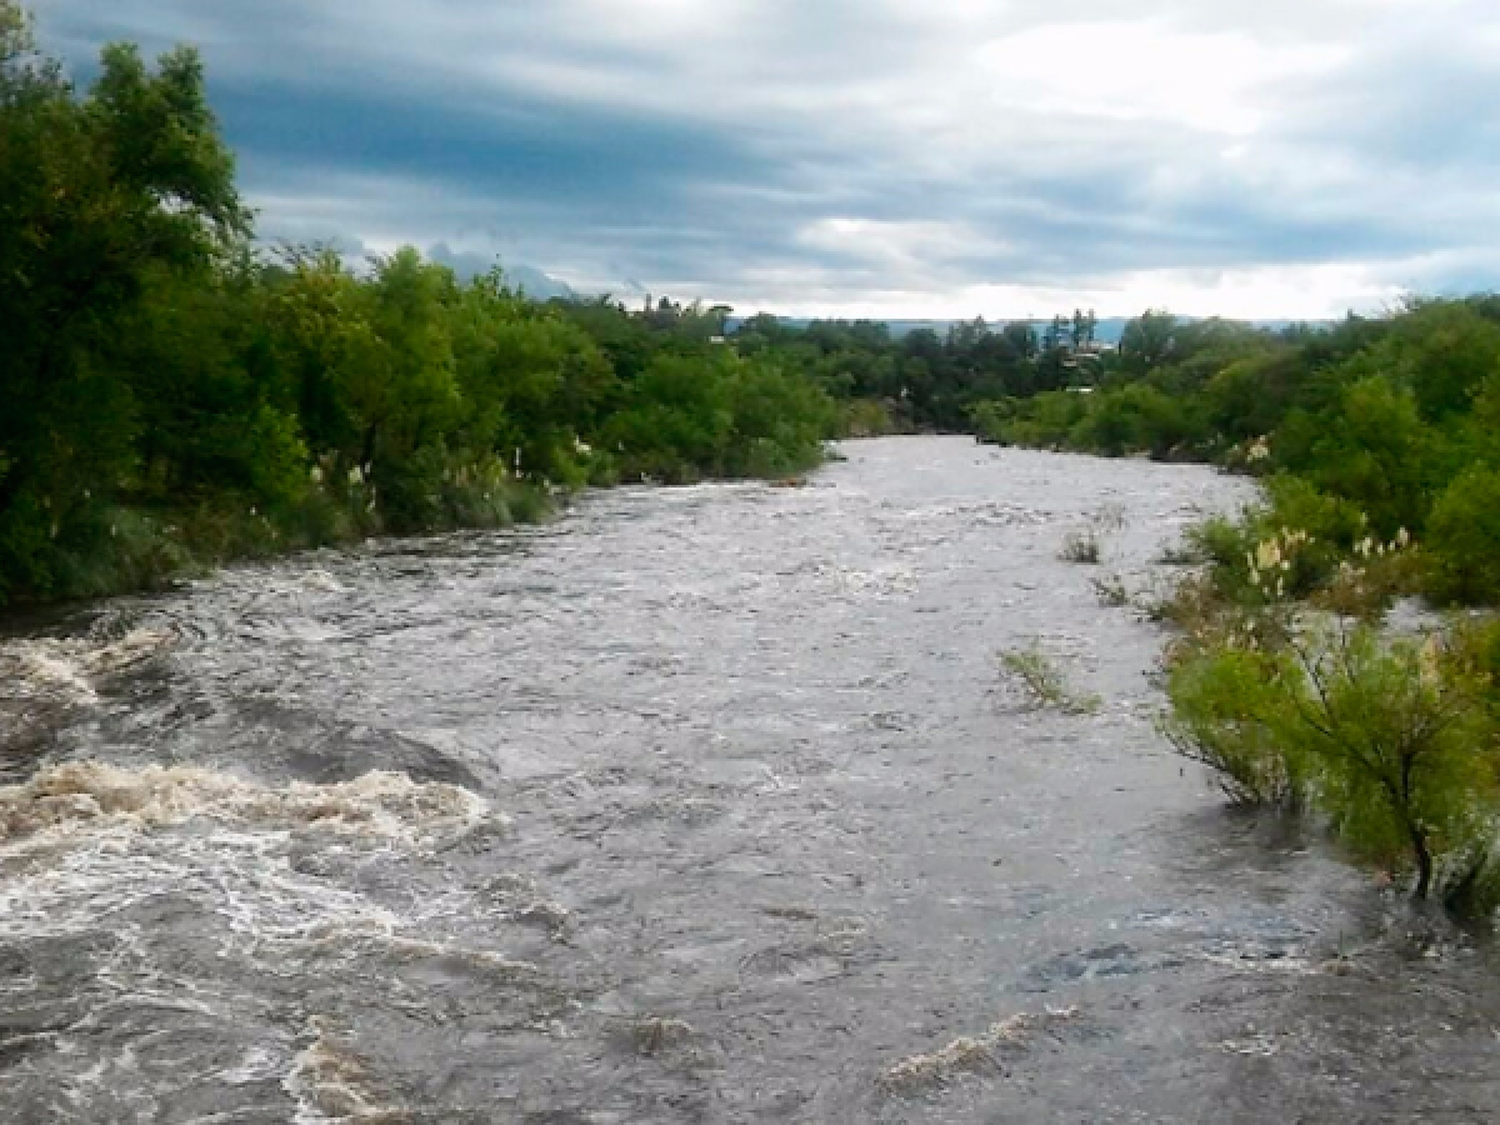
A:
173	395
1371	427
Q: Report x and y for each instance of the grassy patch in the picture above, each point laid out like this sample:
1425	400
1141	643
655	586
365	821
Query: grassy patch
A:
1111	591
1044	684
1081	547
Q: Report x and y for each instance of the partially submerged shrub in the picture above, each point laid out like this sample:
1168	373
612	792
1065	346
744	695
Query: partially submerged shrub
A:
1224	706
1392	740
1111	591
1087	546
1044	684
1081	547
114	547
1404	750
1283	549
1365	584
1184	553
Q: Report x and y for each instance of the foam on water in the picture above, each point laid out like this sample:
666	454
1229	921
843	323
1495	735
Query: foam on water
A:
182	902
971	1053
332	1084
92	796
67	669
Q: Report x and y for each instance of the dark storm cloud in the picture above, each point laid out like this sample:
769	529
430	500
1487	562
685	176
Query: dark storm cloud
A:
853	156
596	163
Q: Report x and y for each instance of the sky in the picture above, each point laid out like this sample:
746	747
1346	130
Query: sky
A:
878	158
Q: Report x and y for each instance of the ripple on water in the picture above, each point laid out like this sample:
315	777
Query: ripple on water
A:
774	845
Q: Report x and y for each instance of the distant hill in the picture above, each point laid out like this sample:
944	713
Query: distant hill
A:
533	282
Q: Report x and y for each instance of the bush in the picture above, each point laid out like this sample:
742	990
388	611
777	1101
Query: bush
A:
1081	547
1223	703
866	417
1463	540
1044	684
120	548
1285	548
1392	740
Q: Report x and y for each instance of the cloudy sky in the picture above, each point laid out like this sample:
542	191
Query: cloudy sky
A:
901	158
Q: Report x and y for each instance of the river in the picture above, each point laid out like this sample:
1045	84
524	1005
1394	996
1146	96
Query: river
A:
710	804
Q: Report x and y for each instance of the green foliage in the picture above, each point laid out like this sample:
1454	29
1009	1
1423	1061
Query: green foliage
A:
1046	421
1403	750
1290	546
1393	741
686	417
104	197
864	417
1374	450
173	398
1044	683
1139	416
1148	341
1443	351
1463	539
1364	427
1224	702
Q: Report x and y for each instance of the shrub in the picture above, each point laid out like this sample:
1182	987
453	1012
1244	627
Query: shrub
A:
1111	591
1285	548
1184	553
1044	683
1392	740
865	417
1463	564
1081	547
1224	701
1402	745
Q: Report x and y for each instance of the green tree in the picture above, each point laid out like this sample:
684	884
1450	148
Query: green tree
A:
99	197
1148	341
1388	738
1463	539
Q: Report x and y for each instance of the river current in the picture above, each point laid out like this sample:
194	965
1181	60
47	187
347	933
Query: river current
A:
710	804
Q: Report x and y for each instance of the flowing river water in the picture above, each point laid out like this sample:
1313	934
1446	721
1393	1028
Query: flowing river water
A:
709	804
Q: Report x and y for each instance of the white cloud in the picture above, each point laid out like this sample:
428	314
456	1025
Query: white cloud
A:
1276	156
899	245
1265	293
1147	71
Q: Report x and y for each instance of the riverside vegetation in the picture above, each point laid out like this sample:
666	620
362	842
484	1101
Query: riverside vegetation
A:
174	396
1378	441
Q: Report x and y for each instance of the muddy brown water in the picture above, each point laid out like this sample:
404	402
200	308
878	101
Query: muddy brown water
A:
697	805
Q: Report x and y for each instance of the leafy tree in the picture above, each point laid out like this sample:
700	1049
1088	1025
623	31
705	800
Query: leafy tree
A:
1388	741
1463	539
1147	341
403	388
1376	452
99	197
1444	351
